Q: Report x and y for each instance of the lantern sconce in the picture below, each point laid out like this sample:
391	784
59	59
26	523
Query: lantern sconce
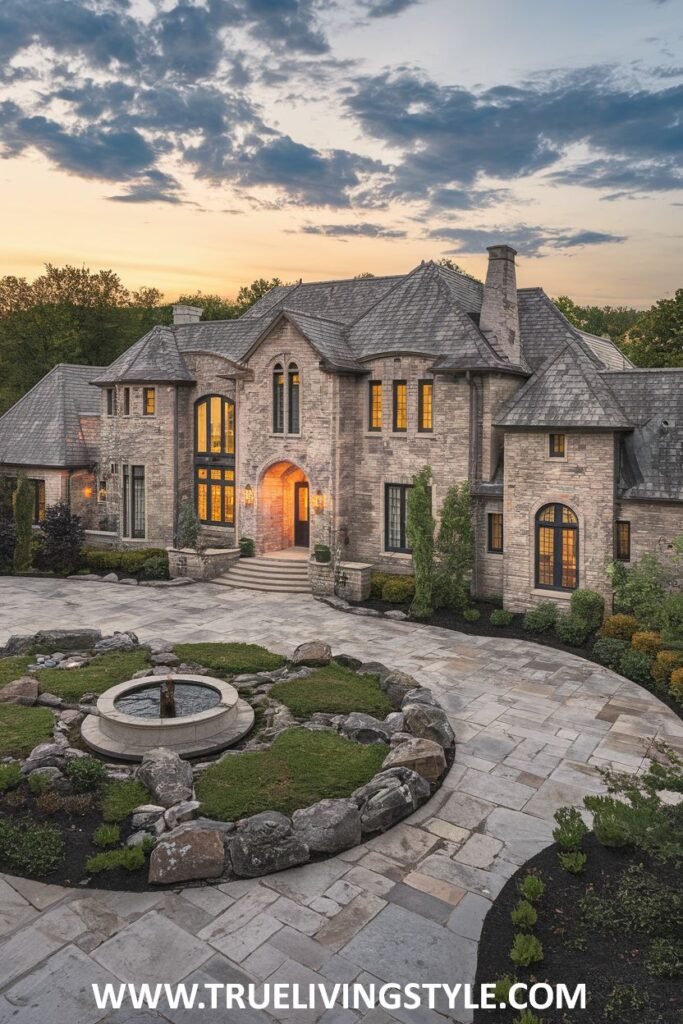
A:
318	502
248	496
87	492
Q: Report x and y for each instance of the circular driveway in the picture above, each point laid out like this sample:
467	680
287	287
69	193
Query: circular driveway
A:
532	724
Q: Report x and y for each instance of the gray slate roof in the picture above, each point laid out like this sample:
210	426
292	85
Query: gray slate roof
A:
155	358
49	425
342	301
328	338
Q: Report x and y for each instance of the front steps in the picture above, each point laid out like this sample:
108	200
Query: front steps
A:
277	575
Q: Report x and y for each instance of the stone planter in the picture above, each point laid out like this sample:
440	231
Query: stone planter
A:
353	581
201	565
321	576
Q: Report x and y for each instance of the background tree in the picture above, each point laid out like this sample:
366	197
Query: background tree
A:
24	503
63	535
420	532
452	265
656	339
604	321
454	550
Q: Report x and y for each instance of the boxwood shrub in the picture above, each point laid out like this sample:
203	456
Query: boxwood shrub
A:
572	630
392	587
499	617
609	651
636	665
676	685
133	562
620	627
589	606
542	618
665	664
647	641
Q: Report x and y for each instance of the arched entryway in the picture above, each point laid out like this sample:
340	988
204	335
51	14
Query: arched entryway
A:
283	512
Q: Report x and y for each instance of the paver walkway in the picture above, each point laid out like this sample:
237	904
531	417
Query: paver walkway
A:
532	726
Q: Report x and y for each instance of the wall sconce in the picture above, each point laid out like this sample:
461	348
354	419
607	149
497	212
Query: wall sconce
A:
87	492
318	502
248	496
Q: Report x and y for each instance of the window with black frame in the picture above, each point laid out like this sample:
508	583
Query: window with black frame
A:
293	398
622	540
557	548
214	459
278	400
495	532
134	501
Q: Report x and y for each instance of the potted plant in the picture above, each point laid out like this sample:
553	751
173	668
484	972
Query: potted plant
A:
247	547
322	553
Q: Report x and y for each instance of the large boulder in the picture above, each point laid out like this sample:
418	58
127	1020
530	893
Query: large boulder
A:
373	668
429	723
193	854
45	755
422	756
118	642
328	826
421	695
365	729
266	842
388	797
396	685
55	640
313	652
21	691
167	776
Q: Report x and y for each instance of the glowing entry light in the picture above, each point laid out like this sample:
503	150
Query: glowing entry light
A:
87	492
318	501
248	496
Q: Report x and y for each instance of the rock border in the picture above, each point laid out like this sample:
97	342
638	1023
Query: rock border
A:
189	848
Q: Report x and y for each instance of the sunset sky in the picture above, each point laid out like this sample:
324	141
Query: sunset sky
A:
196	145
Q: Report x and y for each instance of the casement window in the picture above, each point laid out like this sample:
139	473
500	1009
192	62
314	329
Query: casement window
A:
293	392
622	540
396	517
214	460
425	406
400	406
557	548
126	401
39	501
278	400
133	501
375	405
149	401
557	446
495	532
102	492
111	401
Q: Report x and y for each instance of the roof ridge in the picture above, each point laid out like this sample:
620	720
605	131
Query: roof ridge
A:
311	316
348	280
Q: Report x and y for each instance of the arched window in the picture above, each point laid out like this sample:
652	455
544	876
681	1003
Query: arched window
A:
278	400
557	548
214	459
293	385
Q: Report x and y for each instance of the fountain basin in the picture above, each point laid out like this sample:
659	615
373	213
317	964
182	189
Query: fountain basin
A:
117	733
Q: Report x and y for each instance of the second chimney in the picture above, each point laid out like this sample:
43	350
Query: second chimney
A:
499	313
183	314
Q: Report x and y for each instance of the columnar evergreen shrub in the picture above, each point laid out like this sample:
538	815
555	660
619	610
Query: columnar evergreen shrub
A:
24	502
619	627
63	536
8	539
420	530
188	526
589	606
454	550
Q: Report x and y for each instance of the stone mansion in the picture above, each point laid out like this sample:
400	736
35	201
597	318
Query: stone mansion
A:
304	421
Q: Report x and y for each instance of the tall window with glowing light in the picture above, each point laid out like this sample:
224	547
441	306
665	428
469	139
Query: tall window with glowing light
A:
214	459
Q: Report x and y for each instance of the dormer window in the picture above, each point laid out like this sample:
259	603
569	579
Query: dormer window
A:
278	400
293	386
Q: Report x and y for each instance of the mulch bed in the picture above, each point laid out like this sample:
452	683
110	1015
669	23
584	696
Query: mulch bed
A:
573	953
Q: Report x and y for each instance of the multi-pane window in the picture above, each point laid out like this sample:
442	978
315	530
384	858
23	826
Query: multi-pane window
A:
215	460
39	501
102	491
495	532
622	540
375	405
396	517
111	401
400	405
293	391
278	400
425	406
557	446
133	501
149	401
557	548
126	401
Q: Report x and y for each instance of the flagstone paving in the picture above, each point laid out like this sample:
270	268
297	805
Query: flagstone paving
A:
533	725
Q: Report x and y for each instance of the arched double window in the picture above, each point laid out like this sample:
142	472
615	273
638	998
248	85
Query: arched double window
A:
293	417
214	460
557	548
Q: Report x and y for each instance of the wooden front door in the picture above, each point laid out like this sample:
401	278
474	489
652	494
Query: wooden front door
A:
301	515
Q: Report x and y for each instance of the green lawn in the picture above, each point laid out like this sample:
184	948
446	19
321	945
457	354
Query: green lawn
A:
299	769
97	676
13	668
333	689
230	659
22	729
120	798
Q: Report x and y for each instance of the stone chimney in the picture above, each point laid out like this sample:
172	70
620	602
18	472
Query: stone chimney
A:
183	314
499	318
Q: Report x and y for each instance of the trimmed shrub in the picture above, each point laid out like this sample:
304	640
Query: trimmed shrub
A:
571	828
188	526
573	861
531	888
526	950
608	651
636	665
322	553
471	615
672	618
63	536
85	774
572	630
120	561
132	858
499	617
665	664
619	627
524	915
247	547
155	568
676	685
398	589
589	606
542	618
647	641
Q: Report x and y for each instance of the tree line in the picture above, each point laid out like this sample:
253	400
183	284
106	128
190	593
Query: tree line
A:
74	315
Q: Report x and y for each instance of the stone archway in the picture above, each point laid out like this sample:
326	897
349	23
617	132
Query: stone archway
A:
280	506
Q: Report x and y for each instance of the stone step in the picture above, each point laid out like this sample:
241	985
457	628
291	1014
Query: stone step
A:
268	586
264	572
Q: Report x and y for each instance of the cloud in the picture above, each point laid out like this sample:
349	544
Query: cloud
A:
154	187
365	230
529	240
386	8
623	175
450	136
